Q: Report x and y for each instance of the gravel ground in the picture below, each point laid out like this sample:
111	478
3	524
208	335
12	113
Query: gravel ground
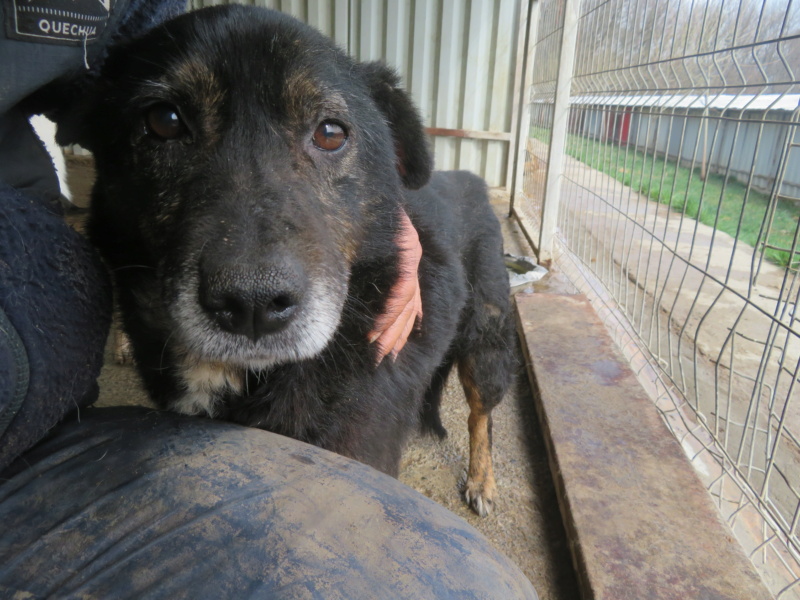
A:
526	524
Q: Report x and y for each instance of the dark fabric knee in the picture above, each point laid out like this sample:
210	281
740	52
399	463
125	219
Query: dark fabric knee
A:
132	503
55	297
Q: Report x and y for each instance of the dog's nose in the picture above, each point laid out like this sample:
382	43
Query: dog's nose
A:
251	303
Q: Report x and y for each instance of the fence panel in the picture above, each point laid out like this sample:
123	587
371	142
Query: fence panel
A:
547	20
679	216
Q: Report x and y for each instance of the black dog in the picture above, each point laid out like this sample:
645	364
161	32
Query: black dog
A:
249	177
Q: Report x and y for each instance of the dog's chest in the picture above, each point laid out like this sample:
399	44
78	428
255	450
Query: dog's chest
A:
293	400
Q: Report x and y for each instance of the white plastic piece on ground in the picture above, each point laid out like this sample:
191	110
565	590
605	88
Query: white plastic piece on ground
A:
523	270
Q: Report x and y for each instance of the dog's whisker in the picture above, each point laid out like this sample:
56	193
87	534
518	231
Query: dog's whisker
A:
161	366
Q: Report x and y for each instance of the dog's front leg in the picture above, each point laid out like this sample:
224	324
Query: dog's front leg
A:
480	488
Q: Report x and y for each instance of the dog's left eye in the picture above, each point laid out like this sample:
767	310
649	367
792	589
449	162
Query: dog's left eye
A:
164	122
329	136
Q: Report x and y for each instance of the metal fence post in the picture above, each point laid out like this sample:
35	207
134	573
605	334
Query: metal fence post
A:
517	154
555	159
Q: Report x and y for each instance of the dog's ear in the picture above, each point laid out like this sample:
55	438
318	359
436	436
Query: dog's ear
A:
78	115
81	114
72	121
67	103
414	158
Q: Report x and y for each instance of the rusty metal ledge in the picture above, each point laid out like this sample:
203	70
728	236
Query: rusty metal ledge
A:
640	523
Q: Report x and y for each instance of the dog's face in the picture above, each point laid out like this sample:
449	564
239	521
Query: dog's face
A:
242	158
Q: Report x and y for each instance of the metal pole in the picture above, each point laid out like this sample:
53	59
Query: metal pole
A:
521	128
555	159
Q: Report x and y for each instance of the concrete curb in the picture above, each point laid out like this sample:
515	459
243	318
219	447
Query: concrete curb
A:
640	523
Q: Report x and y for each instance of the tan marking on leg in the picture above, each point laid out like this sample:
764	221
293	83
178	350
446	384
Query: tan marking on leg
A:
480	488
123	350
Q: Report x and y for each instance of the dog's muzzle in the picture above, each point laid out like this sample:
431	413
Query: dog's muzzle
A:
252	300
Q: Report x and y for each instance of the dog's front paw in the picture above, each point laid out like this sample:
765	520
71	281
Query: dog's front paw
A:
479	495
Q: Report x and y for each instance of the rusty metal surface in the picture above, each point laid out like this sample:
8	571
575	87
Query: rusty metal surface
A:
640	522
469	133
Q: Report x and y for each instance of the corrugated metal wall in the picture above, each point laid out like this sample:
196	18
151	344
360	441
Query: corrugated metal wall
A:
747	145
457	58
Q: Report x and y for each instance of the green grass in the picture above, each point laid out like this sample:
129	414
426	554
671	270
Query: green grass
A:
715	202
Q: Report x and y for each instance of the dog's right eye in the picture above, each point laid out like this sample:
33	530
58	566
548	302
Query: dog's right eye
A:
164	122
329	136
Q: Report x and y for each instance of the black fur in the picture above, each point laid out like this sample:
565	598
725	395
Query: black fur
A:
207	231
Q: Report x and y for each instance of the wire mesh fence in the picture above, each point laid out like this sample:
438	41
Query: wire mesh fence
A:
676	205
